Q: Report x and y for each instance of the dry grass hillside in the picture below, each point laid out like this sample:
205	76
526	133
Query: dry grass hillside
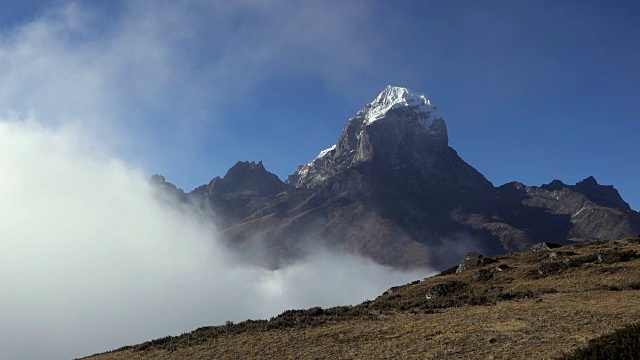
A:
532	305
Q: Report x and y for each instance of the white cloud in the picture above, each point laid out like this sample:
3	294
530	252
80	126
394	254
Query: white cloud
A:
90	260
165	67
158	82
324	38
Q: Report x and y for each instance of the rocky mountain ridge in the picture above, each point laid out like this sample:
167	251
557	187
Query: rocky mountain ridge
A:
393	190
398	129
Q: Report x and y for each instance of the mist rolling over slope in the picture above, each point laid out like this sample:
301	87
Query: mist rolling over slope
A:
92	260
392	189
96	97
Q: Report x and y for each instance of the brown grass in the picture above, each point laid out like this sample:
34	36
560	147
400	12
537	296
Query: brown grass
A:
524	314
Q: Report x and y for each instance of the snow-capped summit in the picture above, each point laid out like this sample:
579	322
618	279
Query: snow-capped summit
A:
398	105
397	130
394	97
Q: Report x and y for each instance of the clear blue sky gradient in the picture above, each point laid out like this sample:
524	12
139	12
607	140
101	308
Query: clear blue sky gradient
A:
532	91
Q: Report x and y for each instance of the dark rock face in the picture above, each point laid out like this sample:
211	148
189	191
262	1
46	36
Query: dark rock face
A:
248	190
521	214
603	195
247	176
393	190
159	182
400	138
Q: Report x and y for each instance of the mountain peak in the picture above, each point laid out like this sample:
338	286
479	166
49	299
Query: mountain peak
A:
590	181
399	129
246	166
160	182
245	175
604	195
394	97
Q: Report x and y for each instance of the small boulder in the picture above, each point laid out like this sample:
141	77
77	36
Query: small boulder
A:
544	246
472	261
561	255
548	268
482	275
447	289
391	290
502	267
614	256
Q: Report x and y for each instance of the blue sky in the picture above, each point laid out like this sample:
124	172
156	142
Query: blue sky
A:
96	96
531	90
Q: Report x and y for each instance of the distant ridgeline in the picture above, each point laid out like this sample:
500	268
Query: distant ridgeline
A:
393	190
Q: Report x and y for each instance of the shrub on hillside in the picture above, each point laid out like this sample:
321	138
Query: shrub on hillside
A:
622	344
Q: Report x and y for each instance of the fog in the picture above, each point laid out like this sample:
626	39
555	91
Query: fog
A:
91	260
157	79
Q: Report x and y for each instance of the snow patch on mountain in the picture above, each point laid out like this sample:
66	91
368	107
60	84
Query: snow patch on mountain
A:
324	152
303	170
394	97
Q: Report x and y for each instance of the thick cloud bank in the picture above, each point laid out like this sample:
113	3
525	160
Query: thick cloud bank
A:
90	260
162	79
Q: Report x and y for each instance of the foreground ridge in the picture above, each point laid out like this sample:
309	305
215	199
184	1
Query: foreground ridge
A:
533	305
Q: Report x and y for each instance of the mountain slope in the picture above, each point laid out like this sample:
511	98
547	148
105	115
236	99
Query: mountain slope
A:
393	190
520	215
533	305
